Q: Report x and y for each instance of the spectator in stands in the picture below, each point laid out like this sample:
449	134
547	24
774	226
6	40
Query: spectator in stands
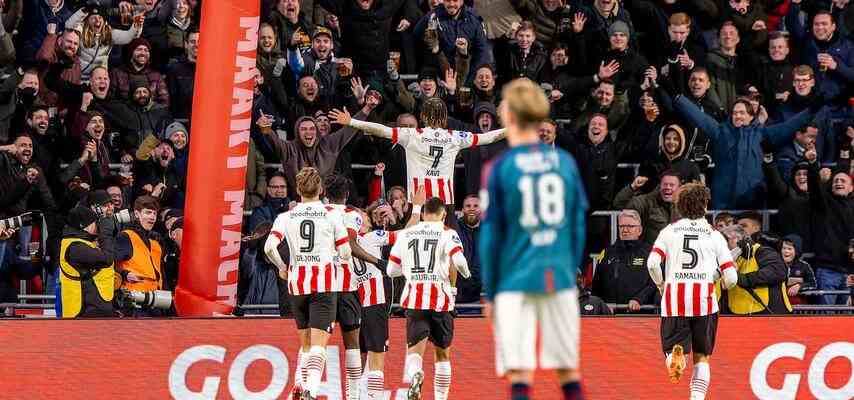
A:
60	49
291	23
686	47
762	276
774	72
275	203
727	70
309	148
177	29
723	220
366	26
468	229
47	139
737	181
181	77
486	119
621	276
116	196
318	63
157	176
801	276
809	137
98	37
22	179
603	100
673	154
794	215
827	51
484	84
93	165
32	29
603	14
587	302
833	210
748	16
86	258
750	222
548	132
803	95
139	254
17	95
137	71
632	64
452	21
527	56
656	209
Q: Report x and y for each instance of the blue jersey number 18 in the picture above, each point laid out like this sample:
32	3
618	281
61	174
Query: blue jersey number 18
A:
542	200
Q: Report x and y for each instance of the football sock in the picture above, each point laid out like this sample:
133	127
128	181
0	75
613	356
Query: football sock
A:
353	367
442	380
700	380
376	385
315	361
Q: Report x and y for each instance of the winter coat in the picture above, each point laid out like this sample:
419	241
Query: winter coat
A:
632	68
679	162
621	273
737	178
49	54
836	84
33	27
546	22
181	82
835	216
98	54
728	75
655	213
521	66
366	33
497	16
795	215
123	78
467	25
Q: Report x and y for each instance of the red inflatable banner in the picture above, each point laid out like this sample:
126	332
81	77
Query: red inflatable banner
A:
219	143
765	358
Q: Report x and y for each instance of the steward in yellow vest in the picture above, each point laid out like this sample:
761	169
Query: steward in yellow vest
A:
761	285
87	278
138	253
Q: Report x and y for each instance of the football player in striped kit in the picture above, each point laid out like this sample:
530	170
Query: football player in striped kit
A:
430	152
695	256
429	255
314	235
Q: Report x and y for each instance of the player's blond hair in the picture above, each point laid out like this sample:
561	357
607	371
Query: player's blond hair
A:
309	182
692	200
525	101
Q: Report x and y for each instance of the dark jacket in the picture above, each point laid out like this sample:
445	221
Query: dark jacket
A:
18	191
621	274
33	27
181	81
680	162
800	268
286	29
592	305
530	66
467	25
365	34
795	215
469	289
597	164
632	68
84	258
835	215
728	74
836	84
737	178
773	77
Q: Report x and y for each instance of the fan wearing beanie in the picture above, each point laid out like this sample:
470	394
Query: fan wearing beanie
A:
86	255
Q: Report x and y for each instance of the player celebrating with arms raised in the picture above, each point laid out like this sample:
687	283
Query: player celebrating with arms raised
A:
314	234
428	254
430	152
694	255
531	244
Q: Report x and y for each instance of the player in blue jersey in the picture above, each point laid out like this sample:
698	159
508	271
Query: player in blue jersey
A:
531	244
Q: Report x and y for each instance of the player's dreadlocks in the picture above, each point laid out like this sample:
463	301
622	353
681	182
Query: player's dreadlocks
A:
692	200
434	113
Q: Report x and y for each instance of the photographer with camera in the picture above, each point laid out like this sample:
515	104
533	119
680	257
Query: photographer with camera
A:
139	256
86	256
762	273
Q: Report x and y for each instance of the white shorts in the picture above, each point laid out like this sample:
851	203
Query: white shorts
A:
519	317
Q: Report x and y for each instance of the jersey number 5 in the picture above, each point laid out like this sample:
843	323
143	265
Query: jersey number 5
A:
542	200
686	248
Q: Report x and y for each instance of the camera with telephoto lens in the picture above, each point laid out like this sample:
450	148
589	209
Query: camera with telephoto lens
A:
159	299
16	222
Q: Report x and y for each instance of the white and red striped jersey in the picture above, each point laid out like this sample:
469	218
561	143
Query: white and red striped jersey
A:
352	221
430	154
693	254
315	237
423	254
370	278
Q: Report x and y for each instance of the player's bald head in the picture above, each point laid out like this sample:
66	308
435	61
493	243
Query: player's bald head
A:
524	105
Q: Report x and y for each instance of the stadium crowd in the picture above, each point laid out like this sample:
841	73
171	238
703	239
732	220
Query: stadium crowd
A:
753	97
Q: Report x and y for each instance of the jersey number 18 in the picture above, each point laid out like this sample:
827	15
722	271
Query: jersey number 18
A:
542	200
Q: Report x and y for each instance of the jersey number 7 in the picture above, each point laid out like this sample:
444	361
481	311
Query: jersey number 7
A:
436	152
